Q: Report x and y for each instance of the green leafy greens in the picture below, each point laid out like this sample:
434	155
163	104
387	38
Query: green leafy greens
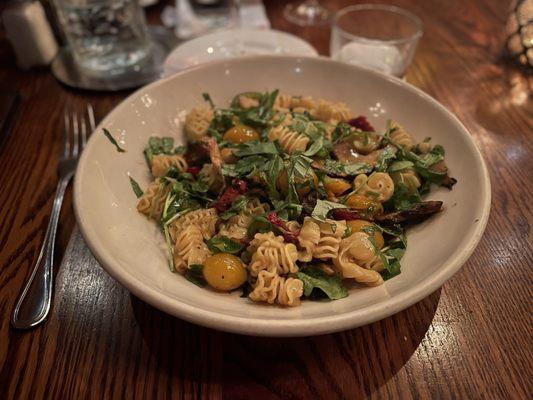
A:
113	141
223	244
315	279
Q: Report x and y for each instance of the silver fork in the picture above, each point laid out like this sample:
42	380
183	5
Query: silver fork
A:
33	304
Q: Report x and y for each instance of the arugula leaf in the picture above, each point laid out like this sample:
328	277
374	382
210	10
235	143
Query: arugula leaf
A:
400	166
403	198
235	208
221	122
260	224
113	141
195	275
314	278
136	188
207	98
223	244
272	170
315	147
335	167
341	132
255	147
385	158
323	207
158	145
303	125
246	166
391	262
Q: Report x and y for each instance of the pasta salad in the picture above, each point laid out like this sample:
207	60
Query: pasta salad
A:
288	197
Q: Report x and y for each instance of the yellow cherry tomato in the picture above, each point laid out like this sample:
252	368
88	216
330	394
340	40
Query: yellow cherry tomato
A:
240	134
337	186
360	225
303	185
364	204
224	271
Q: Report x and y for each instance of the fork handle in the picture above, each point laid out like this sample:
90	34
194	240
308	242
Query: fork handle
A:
33	304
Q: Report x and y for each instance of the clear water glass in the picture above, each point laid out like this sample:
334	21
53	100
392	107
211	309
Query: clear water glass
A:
376	36
105	36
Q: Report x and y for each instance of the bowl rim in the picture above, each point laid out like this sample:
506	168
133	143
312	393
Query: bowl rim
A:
286	327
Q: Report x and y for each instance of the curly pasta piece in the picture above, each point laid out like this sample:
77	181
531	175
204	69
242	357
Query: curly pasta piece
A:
400	135
271	253
378	185
247	102
152	201
308	239
331	233
332	113
189	248
270	288
162	162
204	218
366	143
354	251
290	141
236	227
285	102
407	177
197	122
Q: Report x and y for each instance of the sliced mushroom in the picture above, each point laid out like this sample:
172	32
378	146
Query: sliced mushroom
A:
414	215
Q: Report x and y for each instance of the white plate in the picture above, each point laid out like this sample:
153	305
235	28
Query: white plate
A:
235	43
131	249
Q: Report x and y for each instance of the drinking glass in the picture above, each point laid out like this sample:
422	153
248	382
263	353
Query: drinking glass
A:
376	36
106	36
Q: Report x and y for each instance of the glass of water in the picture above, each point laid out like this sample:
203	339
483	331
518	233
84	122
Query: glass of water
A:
376	36
106	36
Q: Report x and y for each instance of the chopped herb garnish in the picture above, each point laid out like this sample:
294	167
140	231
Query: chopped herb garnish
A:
113	141
136	188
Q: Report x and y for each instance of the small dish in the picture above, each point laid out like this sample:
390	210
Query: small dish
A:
235	43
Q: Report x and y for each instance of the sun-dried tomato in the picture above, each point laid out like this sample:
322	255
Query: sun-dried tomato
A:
361	123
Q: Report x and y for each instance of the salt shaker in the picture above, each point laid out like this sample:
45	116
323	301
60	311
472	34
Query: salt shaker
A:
30	34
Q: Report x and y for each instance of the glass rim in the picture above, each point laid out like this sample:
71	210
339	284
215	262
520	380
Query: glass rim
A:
380	7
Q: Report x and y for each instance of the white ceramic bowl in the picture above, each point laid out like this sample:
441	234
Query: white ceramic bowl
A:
131	249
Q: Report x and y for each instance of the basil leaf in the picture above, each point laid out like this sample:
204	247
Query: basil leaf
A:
136	188
255	147
323	207
314	278
335	167
223	244
113	141
273	169
315	147
195	275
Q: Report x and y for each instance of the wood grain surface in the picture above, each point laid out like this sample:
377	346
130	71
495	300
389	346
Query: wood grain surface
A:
471	339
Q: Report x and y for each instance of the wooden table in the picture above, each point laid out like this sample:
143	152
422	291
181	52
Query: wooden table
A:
471	339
